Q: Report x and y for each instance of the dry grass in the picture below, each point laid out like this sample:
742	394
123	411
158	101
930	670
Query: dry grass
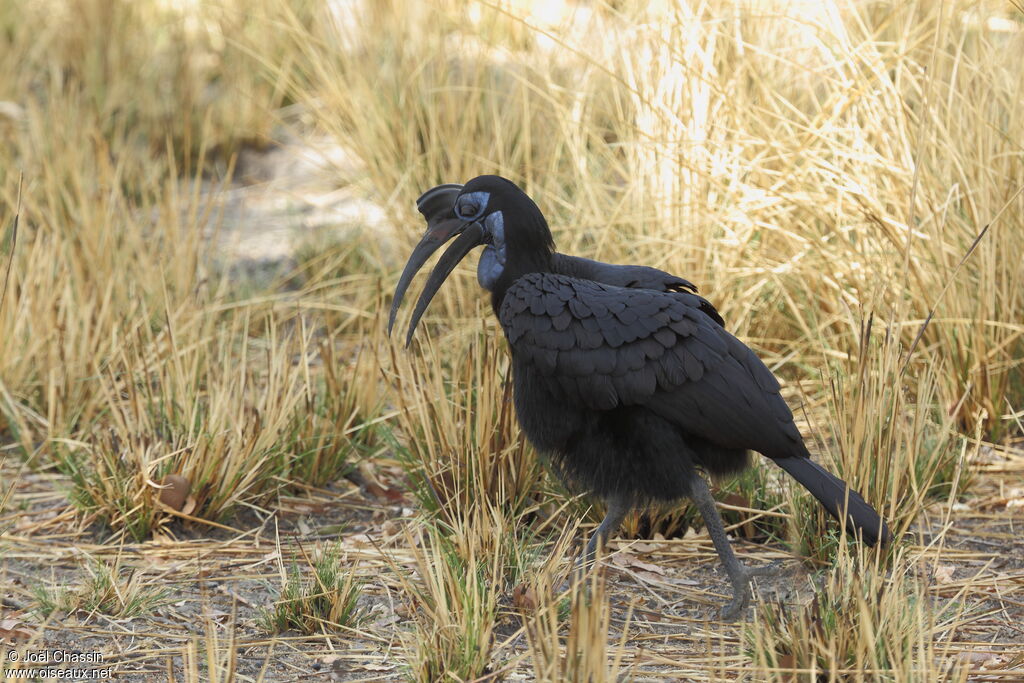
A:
106	590
327	600
843	180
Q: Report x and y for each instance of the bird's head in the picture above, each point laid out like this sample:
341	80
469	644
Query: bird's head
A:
490	211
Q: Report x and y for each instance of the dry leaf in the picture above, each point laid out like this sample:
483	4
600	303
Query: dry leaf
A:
985	660
174	491
944	573
680	581
629	561
391	528
13	630
788	661
994	662
356	541
387	621
524	597
190	506
639	546
373	485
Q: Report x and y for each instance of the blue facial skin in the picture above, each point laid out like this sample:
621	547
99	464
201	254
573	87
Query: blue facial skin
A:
472	205
492	260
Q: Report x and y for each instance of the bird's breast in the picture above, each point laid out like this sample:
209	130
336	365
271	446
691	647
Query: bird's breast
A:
548	421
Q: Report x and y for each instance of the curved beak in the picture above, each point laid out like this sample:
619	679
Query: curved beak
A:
442	225
470	237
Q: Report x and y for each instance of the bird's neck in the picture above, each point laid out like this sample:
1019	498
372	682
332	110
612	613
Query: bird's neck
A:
520	243
518	265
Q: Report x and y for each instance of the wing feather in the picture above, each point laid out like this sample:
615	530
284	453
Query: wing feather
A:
603	346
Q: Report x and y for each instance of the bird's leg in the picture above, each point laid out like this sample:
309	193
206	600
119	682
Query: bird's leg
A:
618	508
738	574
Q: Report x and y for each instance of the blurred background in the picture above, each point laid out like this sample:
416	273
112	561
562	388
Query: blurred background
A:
204	207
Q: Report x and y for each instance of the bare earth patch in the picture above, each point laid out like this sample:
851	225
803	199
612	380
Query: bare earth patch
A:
219	580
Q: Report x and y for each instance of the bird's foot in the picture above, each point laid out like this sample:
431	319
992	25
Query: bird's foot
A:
741	593
738	604
770	569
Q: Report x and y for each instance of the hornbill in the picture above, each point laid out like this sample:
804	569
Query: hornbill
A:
623	377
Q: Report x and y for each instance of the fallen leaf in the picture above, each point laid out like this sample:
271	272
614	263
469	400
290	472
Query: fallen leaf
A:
788	662
174	491
524	598
985	660
638	546
679	581
944	573
378	491
993	662
972	656
392	527
649	577
629	561
13	630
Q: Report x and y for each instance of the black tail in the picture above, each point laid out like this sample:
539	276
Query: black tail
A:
831	492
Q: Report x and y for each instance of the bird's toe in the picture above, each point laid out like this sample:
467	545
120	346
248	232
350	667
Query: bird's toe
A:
772	569
741	589
736	606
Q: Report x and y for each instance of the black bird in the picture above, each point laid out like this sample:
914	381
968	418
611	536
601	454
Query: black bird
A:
623	377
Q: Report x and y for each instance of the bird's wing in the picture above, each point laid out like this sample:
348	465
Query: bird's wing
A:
603	346
634	277
641	277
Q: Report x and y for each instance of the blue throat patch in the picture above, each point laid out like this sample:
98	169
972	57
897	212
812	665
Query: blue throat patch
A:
492	260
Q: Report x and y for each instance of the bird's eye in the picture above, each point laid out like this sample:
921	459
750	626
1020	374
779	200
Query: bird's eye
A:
471	206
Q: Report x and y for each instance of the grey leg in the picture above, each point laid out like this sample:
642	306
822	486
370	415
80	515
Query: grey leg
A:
738	574
618	508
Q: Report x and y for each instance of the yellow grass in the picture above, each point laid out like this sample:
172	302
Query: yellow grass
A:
843	180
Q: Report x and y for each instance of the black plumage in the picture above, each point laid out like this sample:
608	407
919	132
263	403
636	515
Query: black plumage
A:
623	376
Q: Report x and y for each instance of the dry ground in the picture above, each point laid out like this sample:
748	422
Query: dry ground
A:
663	594
204	208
